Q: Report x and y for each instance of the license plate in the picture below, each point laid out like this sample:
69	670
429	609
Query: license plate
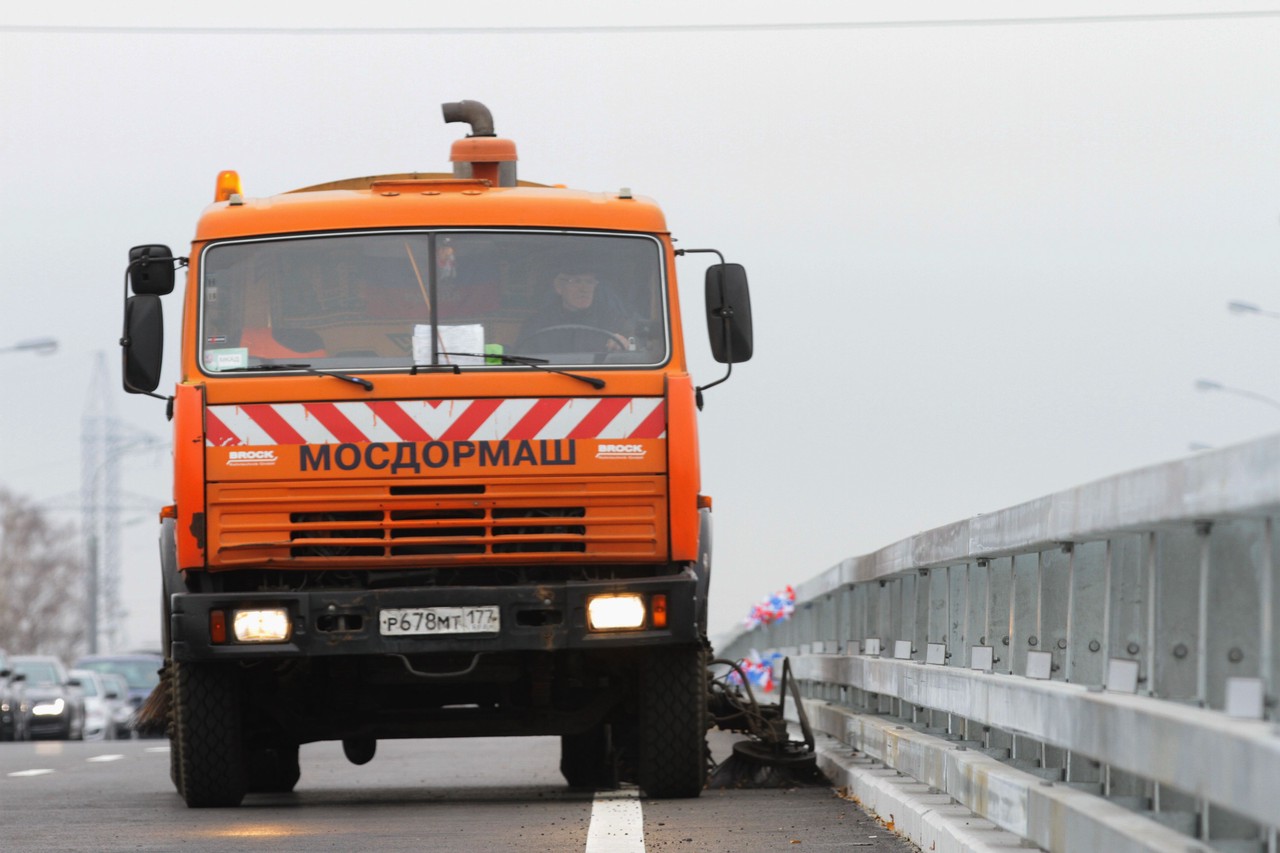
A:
417	621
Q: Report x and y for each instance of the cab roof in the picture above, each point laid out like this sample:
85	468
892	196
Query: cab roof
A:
416	200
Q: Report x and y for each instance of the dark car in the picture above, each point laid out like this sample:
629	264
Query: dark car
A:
55	703
13	701
141	671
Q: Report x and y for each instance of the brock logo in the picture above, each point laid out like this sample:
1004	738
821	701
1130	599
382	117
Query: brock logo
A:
252	457
620	451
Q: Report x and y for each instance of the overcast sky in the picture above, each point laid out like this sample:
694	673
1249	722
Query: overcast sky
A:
988	260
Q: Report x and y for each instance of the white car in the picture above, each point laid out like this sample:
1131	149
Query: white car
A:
117	690
99	722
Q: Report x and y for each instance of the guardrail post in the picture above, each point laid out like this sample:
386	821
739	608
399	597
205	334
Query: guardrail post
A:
936	620
1055	585
1024	611
1234	581
1090	608
955	636
999	632
911	614
1238	558
977	614
1177	577
1128	570
1129	595
857	630
1000	610
1088	612
1024	632
955	633
1270	598
1176	570
840	610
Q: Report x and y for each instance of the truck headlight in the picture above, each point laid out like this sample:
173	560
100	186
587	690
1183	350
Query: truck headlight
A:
262	626
49	709
615	612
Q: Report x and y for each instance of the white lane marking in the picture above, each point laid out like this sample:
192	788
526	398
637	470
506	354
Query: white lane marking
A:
30	773
156	749
105	758
617	822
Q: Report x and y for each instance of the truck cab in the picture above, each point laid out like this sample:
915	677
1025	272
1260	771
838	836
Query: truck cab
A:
436	474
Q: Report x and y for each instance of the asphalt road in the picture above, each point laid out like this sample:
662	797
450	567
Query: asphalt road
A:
484	794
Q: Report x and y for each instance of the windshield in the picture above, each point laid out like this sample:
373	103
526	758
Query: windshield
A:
140	675
430	299
38	672
88	685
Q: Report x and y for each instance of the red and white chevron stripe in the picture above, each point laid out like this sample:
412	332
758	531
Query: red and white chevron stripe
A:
391	421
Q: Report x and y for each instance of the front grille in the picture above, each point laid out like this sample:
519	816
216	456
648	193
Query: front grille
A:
438	524
543	530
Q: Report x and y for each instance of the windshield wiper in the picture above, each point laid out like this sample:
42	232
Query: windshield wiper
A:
535	363
305	368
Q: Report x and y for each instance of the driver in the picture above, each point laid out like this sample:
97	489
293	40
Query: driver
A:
579	316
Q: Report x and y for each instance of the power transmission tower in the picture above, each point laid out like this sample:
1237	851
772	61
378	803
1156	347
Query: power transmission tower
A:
104	439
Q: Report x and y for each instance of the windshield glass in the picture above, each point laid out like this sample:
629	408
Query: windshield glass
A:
88	685
139	674
395	300
38	672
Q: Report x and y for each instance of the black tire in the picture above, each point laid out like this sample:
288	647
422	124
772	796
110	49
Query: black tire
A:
207	721
175	766
586	759
673	723
272	769
169	684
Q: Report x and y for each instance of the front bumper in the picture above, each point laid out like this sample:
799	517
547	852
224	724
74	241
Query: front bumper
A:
57	728
534	617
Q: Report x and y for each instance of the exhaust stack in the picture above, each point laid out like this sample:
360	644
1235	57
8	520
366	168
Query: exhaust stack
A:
483	154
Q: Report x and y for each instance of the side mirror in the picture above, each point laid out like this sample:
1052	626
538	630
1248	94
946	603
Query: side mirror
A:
74	682
143	343
151	269
18	676
729	313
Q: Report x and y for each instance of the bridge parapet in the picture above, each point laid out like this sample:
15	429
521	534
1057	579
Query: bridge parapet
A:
1116	640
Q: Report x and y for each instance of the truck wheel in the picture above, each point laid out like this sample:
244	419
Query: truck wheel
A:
673	722
168	683
586	759
272	769
207	720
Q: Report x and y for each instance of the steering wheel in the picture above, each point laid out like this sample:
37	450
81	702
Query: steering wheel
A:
525	340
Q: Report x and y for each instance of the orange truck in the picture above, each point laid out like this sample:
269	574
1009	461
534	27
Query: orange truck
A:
435	474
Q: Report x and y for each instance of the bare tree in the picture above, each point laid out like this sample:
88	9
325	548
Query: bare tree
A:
42	589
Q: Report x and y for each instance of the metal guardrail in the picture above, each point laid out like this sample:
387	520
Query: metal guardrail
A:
1093	670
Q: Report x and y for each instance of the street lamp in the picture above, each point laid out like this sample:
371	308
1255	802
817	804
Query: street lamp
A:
1210	385
1237	307
40	346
